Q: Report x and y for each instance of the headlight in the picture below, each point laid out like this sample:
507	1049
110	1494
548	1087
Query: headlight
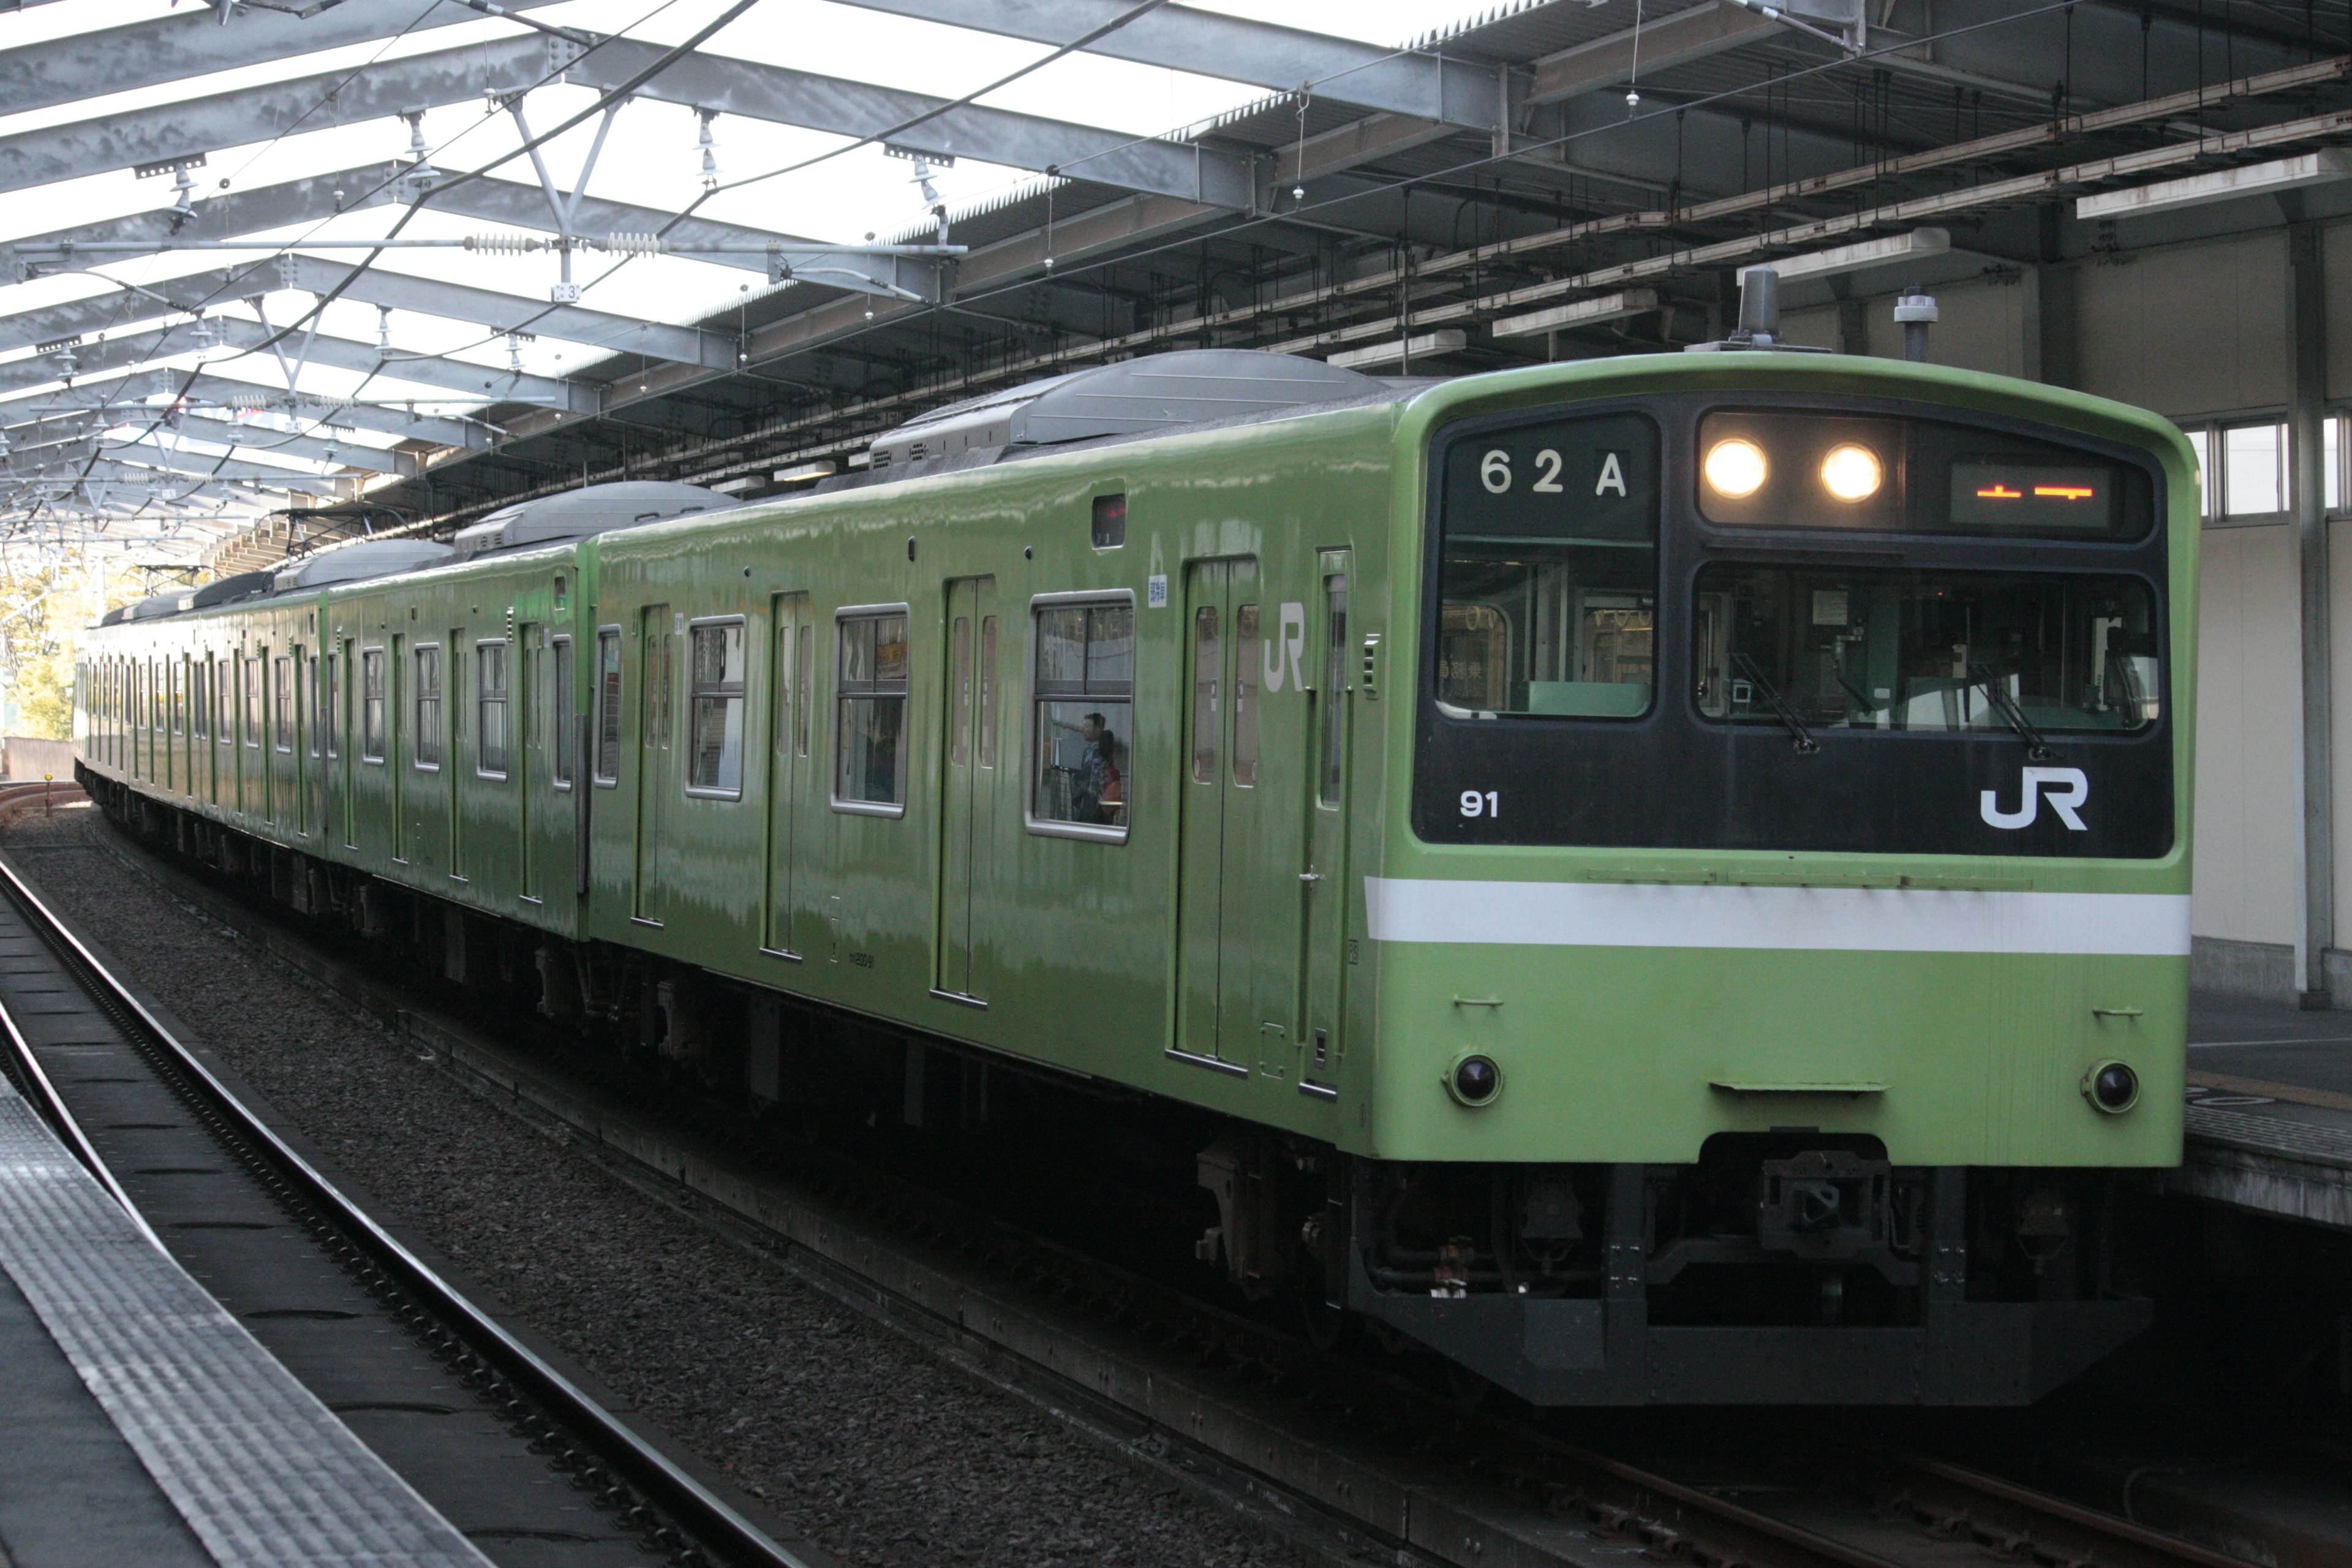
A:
1735	468
1851	473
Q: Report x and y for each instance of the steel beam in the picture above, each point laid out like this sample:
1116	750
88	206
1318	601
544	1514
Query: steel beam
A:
786	97
1672	40
775	93
1421	83
321	196
470	383
200	125
195	42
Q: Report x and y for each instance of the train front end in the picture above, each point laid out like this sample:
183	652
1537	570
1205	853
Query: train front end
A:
1783	913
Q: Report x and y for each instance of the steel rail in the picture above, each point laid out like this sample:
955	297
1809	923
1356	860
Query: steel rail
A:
715	1525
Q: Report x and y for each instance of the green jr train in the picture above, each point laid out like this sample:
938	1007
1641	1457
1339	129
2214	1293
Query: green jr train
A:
1660	879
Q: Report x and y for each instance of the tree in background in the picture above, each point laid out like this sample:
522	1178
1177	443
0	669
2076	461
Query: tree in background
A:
42	611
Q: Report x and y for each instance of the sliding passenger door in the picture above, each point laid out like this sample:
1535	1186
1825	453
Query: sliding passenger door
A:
790	695
1238	898
970	772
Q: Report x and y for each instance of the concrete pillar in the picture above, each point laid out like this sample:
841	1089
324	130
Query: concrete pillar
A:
2307	331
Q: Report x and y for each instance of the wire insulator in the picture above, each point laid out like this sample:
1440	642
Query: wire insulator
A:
503	244
633	244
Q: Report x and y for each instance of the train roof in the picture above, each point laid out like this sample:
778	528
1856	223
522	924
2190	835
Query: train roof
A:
357	562
595	509
1142	396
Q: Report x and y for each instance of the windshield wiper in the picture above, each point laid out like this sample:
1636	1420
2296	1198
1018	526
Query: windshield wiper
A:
1806	744
2036	747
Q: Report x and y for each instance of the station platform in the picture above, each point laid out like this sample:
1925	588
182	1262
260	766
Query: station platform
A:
144	1425
2270	1109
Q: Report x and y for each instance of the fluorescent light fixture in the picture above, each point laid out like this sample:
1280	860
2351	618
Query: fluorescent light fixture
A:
735	486
1919	244
2218	185
822	468
1427	343
1584	313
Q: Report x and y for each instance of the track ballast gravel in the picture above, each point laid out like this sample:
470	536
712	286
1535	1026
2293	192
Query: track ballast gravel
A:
878	1453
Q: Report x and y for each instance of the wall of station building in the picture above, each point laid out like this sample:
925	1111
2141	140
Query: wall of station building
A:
2202	332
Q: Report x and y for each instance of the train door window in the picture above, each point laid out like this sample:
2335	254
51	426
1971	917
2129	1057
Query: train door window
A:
322	722
200	699
1247	651
987	692
960	691
427	748
870	700
608	706
253	701
1208	655
1335	685
372	705
490	699
559	693
154	700
714	767
179	719
801	699
1084	694
281	712
224	702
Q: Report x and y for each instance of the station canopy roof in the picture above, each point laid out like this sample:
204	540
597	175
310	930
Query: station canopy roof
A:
273	276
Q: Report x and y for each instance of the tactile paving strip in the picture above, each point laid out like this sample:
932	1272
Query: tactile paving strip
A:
264	1473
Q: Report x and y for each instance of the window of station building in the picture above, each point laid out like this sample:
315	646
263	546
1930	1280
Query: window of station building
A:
1084	722
608	706
714	767
428	706
562	731
870	711
372	705
490	701
2246	471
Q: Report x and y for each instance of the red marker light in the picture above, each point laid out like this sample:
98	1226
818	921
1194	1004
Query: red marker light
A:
2066	492
2002	493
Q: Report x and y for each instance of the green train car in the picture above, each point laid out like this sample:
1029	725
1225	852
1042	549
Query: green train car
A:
1659	879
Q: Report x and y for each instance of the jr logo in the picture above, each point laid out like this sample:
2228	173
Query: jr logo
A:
2062	788
1290	637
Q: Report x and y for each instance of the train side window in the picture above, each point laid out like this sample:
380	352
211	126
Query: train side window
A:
428	705
714	767
372	705
490	697
253	701
870	702
608	706
1083	695
559	693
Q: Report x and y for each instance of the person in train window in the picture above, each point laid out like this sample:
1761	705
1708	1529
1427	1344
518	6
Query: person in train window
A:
1101	791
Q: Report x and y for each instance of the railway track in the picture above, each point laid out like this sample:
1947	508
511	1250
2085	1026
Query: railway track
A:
256	1221
1352	1463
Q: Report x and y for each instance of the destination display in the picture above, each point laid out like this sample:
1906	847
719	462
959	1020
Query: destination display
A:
2033	496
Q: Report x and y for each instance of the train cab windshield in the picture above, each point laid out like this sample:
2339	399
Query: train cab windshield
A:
1622	595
